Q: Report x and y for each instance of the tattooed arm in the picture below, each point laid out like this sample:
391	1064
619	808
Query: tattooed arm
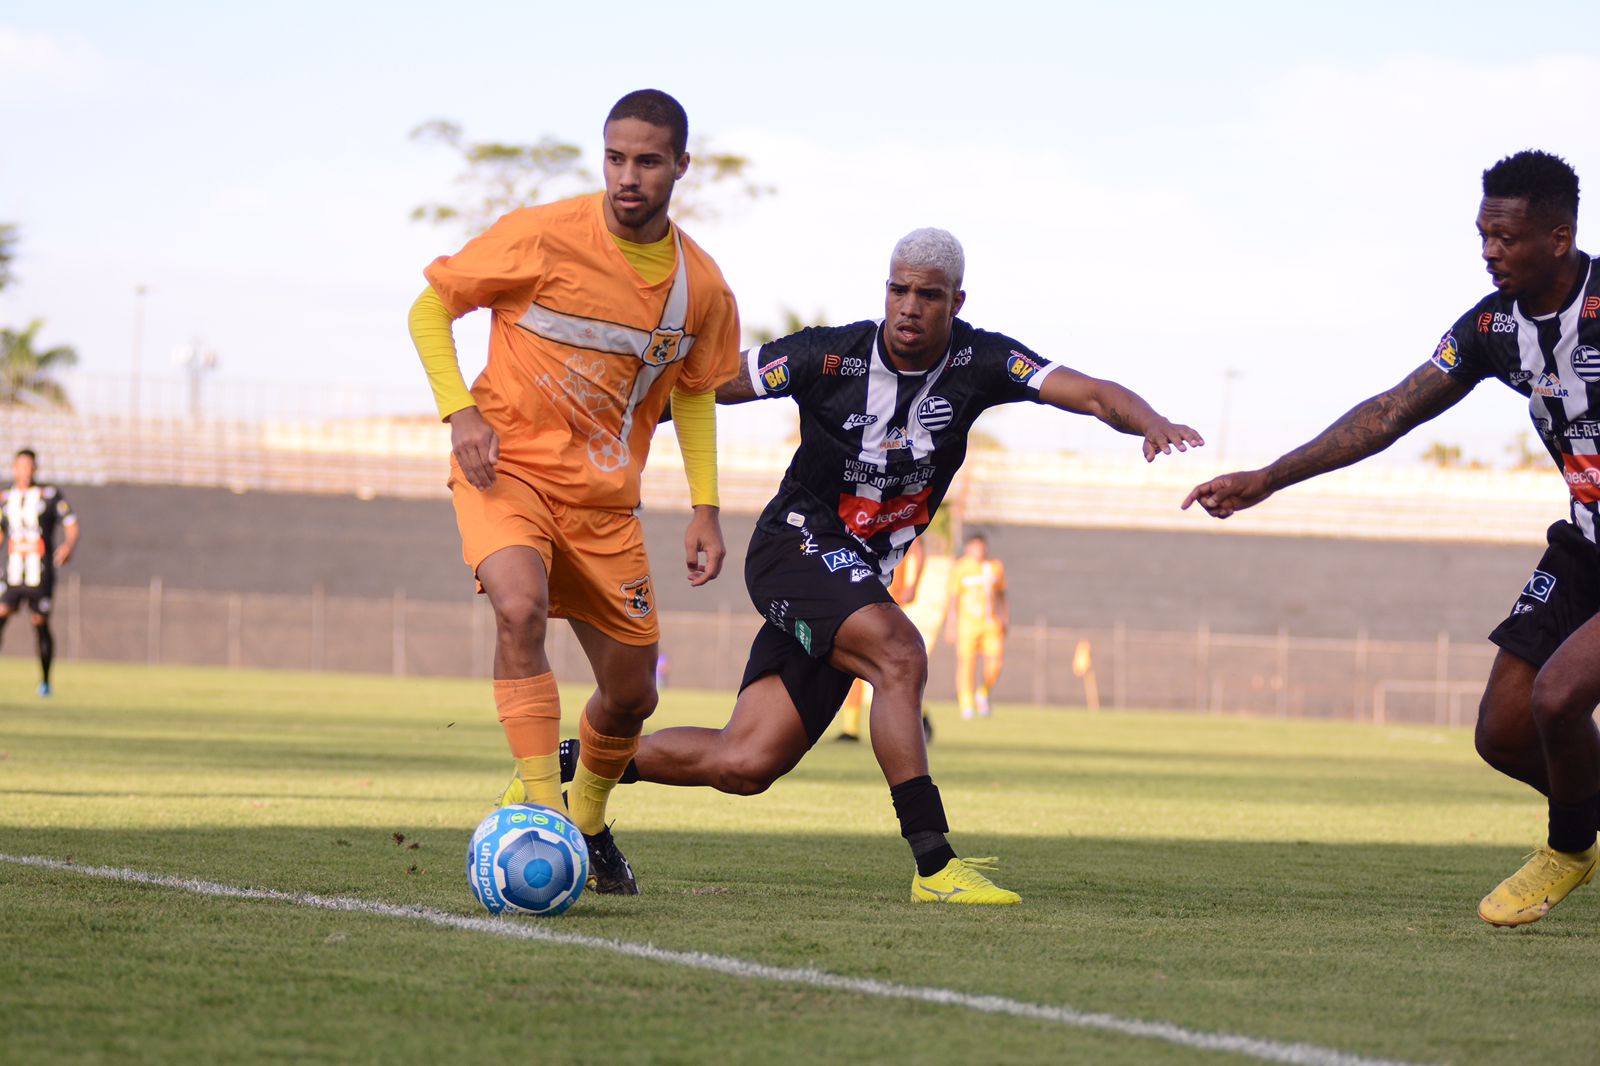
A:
1120	408
738	388
1366	429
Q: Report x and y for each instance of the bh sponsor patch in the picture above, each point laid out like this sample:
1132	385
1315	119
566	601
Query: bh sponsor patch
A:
1021	368
1447	356
775	375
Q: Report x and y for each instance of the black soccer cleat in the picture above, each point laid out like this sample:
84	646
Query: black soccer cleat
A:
569	760
609	872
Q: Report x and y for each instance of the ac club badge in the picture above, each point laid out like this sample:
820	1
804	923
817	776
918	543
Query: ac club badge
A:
636	597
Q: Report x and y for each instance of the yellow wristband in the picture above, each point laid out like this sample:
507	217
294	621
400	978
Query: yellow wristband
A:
430	324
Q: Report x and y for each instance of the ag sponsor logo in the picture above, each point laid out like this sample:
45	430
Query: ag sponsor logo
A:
636	598
775	375
935	413
1539	586
1496	322
1586	363
1591	307
868	518
857	421
1021	368
844	366
840	558
1583	477
1447	356
1550	387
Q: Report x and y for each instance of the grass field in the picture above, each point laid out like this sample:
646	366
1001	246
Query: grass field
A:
1292	881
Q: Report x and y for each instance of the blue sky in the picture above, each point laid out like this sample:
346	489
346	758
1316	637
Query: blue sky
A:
1154	192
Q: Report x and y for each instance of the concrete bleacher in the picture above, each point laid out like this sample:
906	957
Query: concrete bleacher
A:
407	458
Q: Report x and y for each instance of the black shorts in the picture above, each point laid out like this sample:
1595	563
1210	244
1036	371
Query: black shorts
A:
37	598
806	583
1562	594
817	689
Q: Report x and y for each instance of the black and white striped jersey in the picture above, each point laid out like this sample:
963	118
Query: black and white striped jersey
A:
30	518
879	446
1554	360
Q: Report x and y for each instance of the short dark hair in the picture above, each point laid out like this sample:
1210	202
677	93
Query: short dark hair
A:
658	109
978	535
1546	181
30	453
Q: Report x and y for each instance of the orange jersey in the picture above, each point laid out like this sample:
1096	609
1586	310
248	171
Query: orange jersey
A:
977	586
583	354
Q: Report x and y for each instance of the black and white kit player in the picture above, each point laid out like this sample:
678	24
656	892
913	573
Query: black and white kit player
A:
1539	333
885	409
32	517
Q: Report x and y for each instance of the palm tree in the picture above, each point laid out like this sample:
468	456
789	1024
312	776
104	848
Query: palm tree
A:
27	376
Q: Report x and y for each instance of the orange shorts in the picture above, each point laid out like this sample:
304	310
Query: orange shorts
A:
599	572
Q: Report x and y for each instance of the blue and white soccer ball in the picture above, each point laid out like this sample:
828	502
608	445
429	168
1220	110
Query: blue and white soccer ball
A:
528	859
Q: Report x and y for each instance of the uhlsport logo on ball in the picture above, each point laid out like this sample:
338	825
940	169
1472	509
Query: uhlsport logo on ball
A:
527	859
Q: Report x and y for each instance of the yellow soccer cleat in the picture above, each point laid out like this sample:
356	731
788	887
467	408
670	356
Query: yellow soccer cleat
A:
962	881
515	793
1544	880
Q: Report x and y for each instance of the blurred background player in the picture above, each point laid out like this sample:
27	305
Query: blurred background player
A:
978	600
903	586
603	308
1539	333
30	518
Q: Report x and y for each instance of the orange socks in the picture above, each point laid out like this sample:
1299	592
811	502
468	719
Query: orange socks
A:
601	761
530	713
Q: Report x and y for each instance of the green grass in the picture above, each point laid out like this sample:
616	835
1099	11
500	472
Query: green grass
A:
1287	880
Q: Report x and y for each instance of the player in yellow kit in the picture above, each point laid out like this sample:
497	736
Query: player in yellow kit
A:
603	310
978	598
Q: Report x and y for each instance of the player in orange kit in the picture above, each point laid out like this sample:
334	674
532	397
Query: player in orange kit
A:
978	599
603	310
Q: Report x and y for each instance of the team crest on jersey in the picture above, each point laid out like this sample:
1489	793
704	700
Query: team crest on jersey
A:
636	598
1586	363
775	375
935	413
663	347
1021	368
1447	356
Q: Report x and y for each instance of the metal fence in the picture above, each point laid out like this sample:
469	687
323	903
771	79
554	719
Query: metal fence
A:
1282	675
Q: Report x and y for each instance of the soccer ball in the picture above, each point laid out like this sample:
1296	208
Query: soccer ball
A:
528	859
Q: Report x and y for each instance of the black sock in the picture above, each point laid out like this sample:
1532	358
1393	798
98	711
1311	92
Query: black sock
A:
630	774
47	648
1572	829
922	823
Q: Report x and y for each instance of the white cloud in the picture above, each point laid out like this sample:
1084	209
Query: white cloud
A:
36	66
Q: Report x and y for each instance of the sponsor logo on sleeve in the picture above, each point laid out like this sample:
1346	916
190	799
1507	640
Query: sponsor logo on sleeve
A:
867	518
1586	363
775	375
840	558
857	421
1021	367
1447	356
1583	477
1539	586
935	413
636	598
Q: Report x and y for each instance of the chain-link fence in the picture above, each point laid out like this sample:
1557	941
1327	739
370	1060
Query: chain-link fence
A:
1434	681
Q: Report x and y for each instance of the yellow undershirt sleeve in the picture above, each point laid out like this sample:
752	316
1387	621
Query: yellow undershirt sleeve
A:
694	414
430	325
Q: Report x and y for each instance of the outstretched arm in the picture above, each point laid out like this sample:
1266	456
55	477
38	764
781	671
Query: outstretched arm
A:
1366	429
1120	408
738	388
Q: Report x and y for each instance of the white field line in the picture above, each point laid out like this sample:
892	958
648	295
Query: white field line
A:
544	932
